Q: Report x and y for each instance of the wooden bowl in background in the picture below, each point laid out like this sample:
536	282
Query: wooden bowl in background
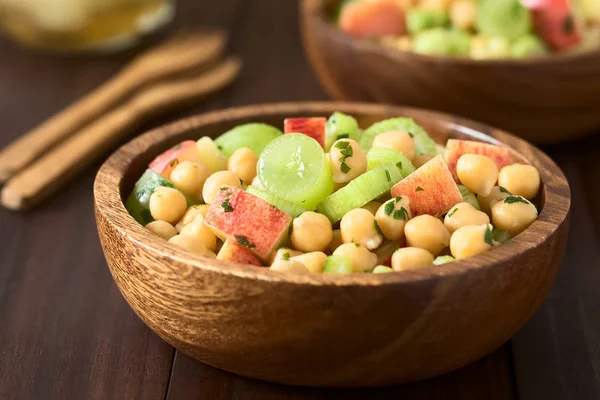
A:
329	330
545	100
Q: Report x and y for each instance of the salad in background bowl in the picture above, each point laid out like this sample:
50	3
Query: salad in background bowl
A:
480	29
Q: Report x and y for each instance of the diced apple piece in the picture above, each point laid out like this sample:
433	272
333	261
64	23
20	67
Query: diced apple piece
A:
248	219
167	161
313	127
232	251
555	22
456	148
372	19
431	189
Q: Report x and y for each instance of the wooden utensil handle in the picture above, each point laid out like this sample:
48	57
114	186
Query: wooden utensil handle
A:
147	69
62	163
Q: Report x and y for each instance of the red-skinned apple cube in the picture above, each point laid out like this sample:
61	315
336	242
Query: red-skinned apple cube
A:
167	161
554	21
431	189
373	18
251	221
232	251
313	127
456	148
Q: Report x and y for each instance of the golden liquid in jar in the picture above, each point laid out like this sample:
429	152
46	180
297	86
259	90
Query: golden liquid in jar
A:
97	25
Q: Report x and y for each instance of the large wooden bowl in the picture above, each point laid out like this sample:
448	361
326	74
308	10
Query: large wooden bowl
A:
326	330
545	100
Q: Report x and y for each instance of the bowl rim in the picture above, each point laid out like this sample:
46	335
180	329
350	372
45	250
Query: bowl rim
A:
109	204
314	8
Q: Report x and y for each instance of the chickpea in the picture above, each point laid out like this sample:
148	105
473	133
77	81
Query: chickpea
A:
478	173
336	240
214	183
284	254
190	214
347	160
311	231
520	179
167	204
392	217
243	163
189	177
427	232
162	229
359	226
314	261
401	141
513	214
441	5
419	161
192	244
411	258
464	214
471	240
463	14
361	258
372	207
293	267
498	193
199	229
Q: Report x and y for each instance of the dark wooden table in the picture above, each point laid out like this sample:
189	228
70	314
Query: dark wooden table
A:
66	332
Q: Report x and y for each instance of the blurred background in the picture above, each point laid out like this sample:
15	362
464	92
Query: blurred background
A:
65	330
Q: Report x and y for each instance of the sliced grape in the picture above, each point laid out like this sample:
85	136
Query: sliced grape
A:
500	235
382	269
381	155
253	136
443	260
294	167
340	126
287	207
469	197
505	18
360	191
423	143
210	155
337	264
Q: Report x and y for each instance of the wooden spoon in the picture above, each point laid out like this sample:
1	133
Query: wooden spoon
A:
58	166
180	54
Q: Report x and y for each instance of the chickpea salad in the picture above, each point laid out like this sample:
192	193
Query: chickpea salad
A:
324	196
480	29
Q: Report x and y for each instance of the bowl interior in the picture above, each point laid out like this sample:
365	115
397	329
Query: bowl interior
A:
125	166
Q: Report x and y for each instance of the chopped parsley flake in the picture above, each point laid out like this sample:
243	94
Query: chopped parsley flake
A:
356	245
411	135
489	238
389	208
243	241
219	147
401	214
399	164
515	199
388	176
419	189
227	206
503	190
173	163
285	256
346	151
223	188
452	212
377	228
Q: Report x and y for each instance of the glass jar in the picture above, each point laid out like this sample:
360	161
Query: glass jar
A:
83	25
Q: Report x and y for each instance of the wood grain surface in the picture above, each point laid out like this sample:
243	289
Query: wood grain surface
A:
66	332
